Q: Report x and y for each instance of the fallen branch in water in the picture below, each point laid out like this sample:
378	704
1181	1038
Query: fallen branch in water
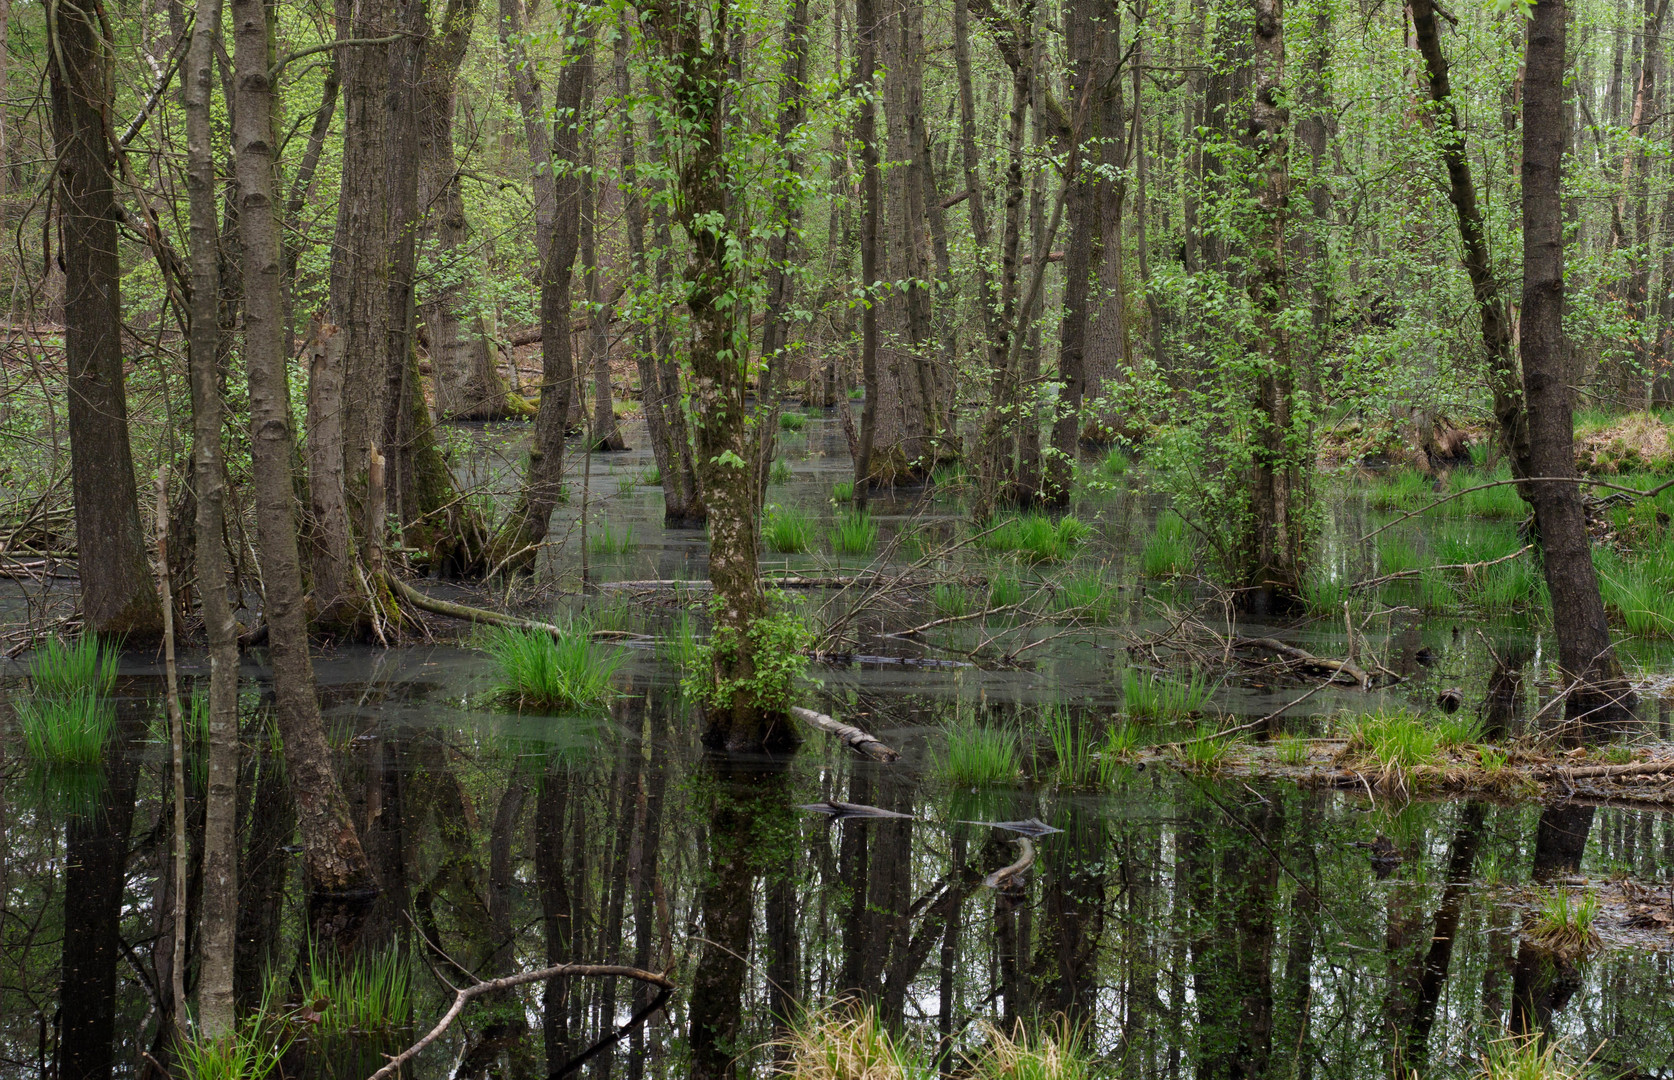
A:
1468	568
852	737
463	611
1307	659
464	996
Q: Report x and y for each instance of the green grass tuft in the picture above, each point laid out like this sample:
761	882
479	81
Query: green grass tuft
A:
1074	761
1206	751
979	756
1324	593
1035	537
60	670
546	671
1500	502
1144	695
1004	591
1121	744
70	730
1293	750
855	534
1087	596
369	994
1115	463
1168	553
1529	1057
779	472
1565	925
605	540
682	644
1403	490
792	421
842	491
650	476
950	601
788	530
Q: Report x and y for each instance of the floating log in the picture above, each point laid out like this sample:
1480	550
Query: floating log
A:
850	736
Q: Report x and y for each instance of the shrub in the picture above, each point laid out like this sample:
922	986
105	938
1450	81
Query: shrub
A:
788	530
60	670
1168	553
979	756
68	730
542	670
855	534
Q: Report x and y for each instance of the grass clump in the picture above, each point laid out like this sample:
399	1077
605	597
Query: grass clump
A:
1074	760
792	421
1086	596
61	670
1293	750
1162	699
1055	1053
1500	502
1397	553
650	476
855	534
788	530
1035	537
1393	745
1205	752
1168	553
847	1042
682	645
1121	744
605	540
980	756
250	1051
1324	594
1458	731
842	491
1115	463
1528	1057
1637	592
1565	925
1004	591
779	472
369	994
1402	490
544	671
950	601
69	730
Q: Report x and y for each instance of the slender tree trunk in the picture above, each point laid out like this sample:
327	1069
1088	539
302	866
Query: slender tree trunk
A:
1275	546
1600	699
866	132
219	918
116	593
340	880
606	434
1491	301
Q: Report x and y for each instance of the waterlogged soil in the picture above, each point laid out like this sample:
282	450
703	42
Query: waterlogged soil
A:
1232	922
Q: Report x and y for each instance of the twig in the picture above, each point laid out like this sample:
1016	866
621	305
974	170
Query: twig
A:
466	995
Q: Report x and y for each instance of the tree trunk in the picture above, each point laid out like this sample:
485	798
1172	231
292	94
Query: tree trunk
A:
1491	302
1600	699
701	77
659	376
606	435
117	597
525	527
866	132
463	358
219	917
340	880
1275	546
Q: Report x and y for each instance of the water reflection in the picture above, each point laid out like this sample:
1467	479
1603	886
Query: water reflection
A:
1189	927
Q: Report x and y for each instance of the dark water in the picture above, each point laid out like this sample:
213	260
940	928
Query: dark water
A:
1192	927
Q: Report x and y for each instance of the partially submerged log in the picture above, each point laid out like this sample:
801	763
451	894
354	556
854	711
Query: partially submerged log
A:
452	610
852	737
1006	876
1303	658
1654	767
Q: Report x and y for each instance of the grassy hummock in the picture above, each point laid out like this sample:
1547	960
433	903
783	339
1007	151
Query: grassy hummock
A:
541	670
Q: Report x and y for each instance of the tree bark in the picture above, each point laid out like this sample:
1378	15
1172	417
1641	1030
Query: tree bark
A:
117	598
1278	516
1600	699
340	881
218	920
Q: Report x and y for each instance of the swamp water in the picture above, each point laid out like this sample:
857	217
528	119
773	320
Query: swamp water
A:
1190	925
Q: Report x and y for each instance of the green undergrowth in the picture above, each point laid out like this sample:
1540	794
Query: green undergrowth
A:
1566	923
69	719
779	472
368	994
59	668
792	421
842	491
1205	751
1088	596
951	601
1638	588
541	670
603	539
845	1041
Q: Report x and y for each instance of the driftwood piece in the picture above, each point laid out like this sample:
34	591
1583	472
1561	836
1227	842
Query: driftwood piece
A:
1306	659
1654	767
849	735
464	996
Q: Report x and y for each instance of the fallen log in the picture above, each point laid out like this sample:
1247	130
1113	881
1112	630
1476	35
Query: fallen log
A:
1307	659
465	612
1006	876
464	996
838	582
850	736
1654	767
